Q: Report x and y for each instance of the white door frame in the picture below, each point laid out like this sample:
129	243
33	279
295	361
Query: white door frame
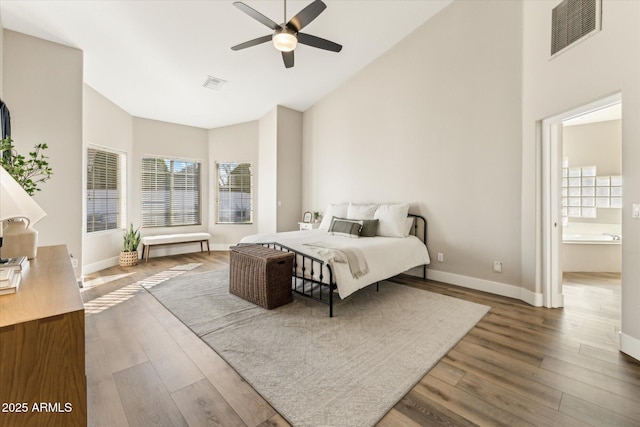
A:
551	198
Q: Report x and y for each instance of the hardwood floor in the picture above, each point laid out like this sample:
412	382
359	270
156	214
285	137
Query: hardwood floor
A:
520	365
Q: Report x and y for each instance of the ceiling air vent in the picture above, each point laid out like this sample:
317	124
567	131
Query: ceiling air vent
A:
573	20
214	83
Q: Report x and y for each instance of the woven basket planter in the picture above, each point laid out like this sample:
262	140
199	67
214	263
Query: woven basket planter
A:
127	259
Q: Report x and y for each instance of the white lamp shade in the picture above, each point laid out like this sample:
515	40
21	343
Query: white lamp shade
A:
15	202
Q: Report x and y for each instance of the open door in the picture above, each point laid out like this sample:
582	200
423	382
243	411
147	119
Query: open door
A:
551	204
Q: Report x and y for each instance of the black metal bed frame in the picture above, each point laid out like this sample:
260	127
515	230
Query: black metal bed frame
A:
308	280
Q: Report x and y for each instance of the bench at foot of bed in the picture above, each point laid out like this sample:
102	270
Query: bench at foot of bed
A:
174	239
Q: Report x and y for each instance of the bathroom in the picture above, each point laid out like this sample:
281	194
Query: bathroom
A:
592	192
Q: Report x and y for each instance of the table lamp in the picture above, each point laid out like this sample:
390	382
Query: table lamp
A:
16	203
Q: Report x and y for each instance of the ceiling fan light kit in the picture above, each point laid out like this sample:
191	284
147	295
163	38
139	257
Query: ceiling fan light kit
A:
286	37
285	40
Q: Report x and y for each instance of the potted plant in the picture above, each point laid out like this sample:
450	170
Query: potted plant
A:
129	254
316	217
29	171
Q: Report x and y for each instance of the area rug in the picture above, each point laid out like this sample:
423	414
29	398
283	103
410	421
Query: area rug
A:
348	370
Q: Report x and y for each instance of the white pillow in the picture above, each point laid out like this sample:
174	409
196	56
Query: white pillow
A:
339	210
392	219
407	226
361	211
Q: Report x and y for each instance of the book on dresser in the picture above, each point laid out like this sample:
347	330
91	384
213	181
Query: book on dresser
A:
19	263
9	280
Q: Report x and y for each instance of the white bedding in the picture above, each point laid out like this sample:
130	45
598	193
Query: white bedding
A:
385	256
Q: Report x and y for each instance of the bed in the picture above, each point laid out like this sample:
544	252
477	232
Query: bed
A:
326	261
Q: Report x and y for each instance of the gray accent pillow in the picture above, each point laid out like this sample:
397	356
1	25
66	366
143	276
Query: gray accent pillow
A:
345	227
369	228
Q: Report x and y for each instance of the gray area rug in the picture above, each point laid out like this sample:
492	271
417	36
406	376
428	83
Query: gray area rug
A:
319	371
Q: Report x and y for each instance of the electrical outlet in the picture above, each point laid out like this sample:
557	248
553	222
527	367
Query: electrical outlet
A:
497	267
74	262
440	257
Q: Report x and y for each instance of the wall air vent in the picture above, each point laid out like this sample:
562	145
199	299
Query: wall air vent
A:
214	83
573	20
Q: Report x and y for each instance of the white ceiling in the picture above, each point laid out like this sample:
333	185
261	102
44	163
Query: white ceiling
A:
152	57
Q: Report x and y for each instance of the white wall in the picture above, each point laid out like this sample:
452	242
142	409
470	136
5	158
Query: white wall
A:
169	140
230	144
267	208
43	90
604	64
280	170
436	121
1	55
289	167
105	125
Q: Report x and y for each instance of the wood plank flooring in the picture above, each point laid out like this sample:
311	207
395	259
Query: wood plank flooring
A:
520	365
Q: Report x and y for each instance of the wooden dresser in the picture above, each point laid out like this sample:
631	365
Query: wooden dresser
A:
42	353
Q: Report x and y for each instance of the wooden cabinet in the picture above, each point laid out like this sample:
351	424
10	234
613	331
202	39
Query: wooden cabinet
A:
42	347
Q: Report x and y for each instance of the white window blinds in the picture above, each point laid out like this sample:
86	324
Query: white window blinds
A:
170	192
104	190
235	192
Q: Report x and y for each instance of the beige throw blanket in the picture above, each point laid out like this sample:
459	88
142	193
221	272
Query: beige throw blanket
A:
354	257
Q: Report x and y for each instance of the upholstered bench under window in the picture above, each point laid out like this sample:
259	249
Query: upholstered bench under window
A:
172	239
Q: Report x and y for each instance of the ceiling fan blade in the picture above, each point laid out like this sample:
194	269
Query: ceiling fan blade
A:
287	57
256	15
306	15
318	42
253	42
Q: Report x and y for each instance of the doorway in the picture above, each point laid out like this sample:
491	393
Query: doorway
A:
578	199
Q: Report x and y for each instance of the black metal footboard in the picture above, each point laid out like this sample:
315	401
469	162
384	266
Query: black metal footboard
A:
312	277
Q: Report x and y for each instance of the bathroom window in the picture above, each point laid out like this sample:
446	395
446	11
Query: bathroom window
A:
583	191
578	191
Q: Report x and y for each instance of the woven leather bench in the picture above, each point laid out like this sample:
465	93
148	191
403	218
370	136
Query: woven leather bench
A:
261	275
173	239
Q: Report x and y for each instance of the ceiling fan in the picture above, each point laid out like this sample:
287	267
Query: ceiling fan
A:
285	37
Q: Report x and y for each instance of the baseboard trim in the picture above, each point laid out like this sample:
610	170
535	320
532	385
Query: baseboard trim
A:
630	346
221	246
100	265
497	288
156	252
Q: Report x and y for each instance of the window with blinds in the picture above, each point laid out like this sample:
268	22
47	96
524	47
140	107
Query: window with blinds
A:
104	190
235	193
170	192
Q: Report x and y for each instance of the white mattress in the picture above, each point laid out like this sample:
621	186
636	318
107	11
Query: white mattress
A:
386	256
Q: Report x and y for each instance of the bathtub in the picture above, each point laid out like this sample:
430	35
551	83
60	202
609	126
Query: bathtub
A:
592	248
591	238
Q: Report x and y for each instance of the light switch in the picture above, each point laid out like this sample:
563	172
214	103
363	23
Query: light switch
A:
636	212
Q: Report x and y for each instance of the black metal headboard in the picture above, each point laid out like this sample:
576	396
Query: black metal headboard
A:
416	229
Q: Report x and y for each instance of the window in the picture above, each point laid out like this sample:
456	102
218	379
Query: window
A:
235	189
579	191
105	200
583	191
170	192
